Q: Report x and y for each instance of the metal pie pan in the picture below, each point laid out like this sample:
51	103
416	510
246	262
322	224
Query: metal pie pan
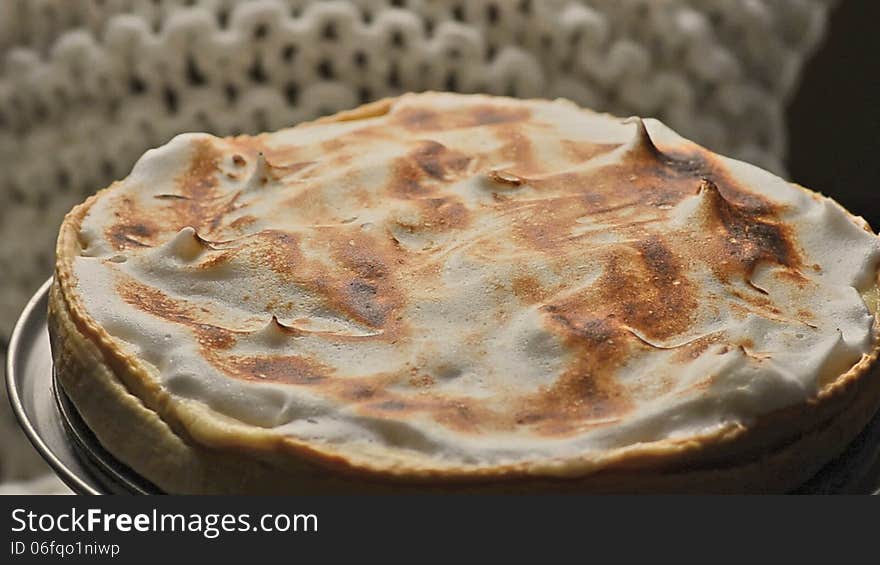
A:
55	428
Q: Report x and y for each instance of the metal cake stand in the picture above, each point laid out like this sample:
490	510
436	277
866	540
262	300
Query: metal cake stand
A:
53	425
50	420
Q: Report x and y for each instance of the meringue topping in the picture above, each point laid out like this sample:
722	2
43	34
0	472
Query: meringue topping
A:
478	279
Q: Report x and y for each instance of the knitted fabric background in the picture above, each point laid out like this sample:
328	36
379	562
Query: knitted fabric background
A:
86	86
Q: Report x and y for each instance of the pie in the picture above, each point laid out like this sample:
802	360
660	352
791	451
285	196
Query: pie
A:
465	293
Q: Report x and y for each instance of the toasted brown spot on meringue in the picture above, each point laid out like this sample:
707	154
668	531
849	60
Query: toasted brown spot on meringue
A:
460	414
517	148
750	234
360	392
356	283
279	249
367	256
333	145
488	115
542	227
463	416
214	337
131	228
640	290
694	348
361	298
199	182
138	234
155	302
424	119
670	296
583	151
218	259
805	316
793	276
528	289
443	213
201	205
587	391
422	381
437	161
243	222
286	369
417	173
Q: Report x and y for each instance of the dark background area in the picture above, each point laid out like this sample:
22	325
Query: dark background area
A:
834	119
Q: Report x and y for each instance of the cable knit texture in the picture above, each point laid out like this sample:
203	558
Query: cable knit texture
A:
86	86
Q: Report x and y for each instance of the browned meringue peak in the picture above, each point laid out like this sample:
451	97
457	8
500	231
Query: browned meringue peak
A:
266	171
260	174
751	233
186	245
274	333
704	210
641	146
638	159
